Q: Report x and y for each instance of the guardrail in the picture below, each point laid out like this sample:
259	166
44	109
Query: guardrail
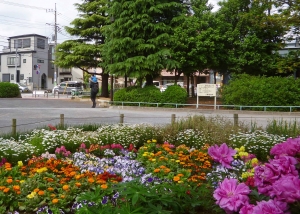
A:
218	107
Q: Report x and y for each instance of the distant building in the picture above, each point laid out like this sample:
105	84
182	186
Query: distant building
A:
25	60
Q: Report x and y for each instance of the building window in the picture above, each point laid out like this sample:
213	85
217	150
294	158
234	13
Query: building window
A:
22	43
41	43
24	60
29	79
52	65
11	60
12	77
21	76
40	61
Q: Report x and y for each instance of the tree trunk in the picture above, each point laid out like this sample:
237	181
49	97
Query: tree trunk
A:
104	86
149	79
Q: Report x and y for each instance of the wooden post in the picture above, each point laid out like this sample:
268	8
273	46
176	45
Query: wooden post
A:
173	118
121	118
235	119
14	127
62	120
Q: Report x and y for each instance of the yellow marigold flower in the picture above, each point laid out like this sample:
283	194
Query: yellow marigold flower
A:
254	162
180	182
243	154
149	141
153	160
31	195
145	155
20	163
43	169
177	161
78	184
176	178
154	141
247	174
77	177
55	201
22	181
172	159
65	187
104	186
156	170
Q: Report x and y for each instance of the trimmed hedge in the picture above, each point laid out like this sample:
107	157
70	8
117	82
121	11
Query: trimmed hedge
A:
249	90
151	94
8	90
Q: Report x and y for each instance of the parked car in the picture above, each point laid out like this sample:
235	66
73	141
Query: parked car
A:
67	87
22	87
155	83
164	87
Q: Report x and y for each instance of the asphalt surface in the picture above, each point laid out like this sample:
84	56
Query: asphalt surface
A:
36	112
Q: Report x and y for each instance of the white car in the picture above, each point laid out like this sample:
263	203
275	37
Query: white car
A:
22	87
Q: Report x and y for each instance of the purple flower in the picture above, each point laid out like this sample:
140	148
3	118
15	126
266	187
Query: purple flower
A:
231	196
290	147
222	154
287	189
247	209
270	206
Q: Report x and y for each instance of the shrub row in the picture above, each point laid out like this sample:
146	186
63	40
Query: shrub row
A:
249	90
150	94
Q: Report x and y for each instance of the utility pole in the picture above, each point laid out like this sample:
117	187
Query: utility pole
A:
56	76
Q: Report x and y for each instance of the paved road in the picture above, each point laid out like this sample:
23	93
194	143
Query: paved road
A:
35	112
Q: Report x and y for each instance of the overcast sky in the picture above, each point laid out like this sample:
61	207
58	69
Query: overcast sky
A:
19	17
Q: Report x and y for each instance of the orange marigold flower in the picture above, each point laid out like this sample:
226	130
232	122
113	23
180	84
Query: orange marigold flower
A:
62	196
180	175
2	187
167	170
156	170
52	195
77	177
9	180
162	167
55	201
41	192
104	186
91	180
36	190
101	181
65	187
16	188
50	179
176	178
18	192
50	189
6	190
78	184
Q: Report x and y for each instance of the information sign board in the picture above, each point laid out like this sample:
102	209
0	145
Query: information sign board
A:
206	89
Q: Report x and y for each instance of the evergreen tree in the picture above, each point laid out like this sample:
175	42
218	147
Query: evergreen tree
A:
139	37
85	52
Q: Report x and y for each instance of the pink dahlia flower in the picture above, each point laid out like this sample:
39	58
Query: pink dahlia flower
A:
265	176
285	165
287	189
231	196
247	209
269	207
291	147
222	154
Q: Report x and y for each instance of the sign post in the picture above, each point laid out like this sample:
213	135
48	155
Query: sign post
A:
207	90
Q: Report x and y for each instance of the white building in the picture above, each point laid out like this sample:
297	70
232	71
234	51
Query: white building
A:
25	60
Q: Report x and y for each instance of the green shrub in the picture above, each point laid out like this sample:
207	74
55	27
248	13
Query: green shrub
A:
8	90
148	94
174	94
249	90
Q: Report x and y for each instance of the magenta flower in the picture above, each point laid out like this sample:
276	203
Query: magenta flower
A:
270	207
247	209
287	189
291	147
222	154
231	196
285	165
265	176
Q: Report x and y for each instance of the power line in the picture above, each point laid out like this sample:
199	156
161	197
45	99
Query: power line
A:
22	5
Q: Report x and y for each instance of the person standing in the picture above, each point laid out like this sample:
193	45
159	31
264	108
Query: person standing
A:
94	89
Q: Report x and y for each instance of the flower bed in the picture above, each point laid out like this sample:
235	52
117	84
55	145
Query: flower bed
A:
80	175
